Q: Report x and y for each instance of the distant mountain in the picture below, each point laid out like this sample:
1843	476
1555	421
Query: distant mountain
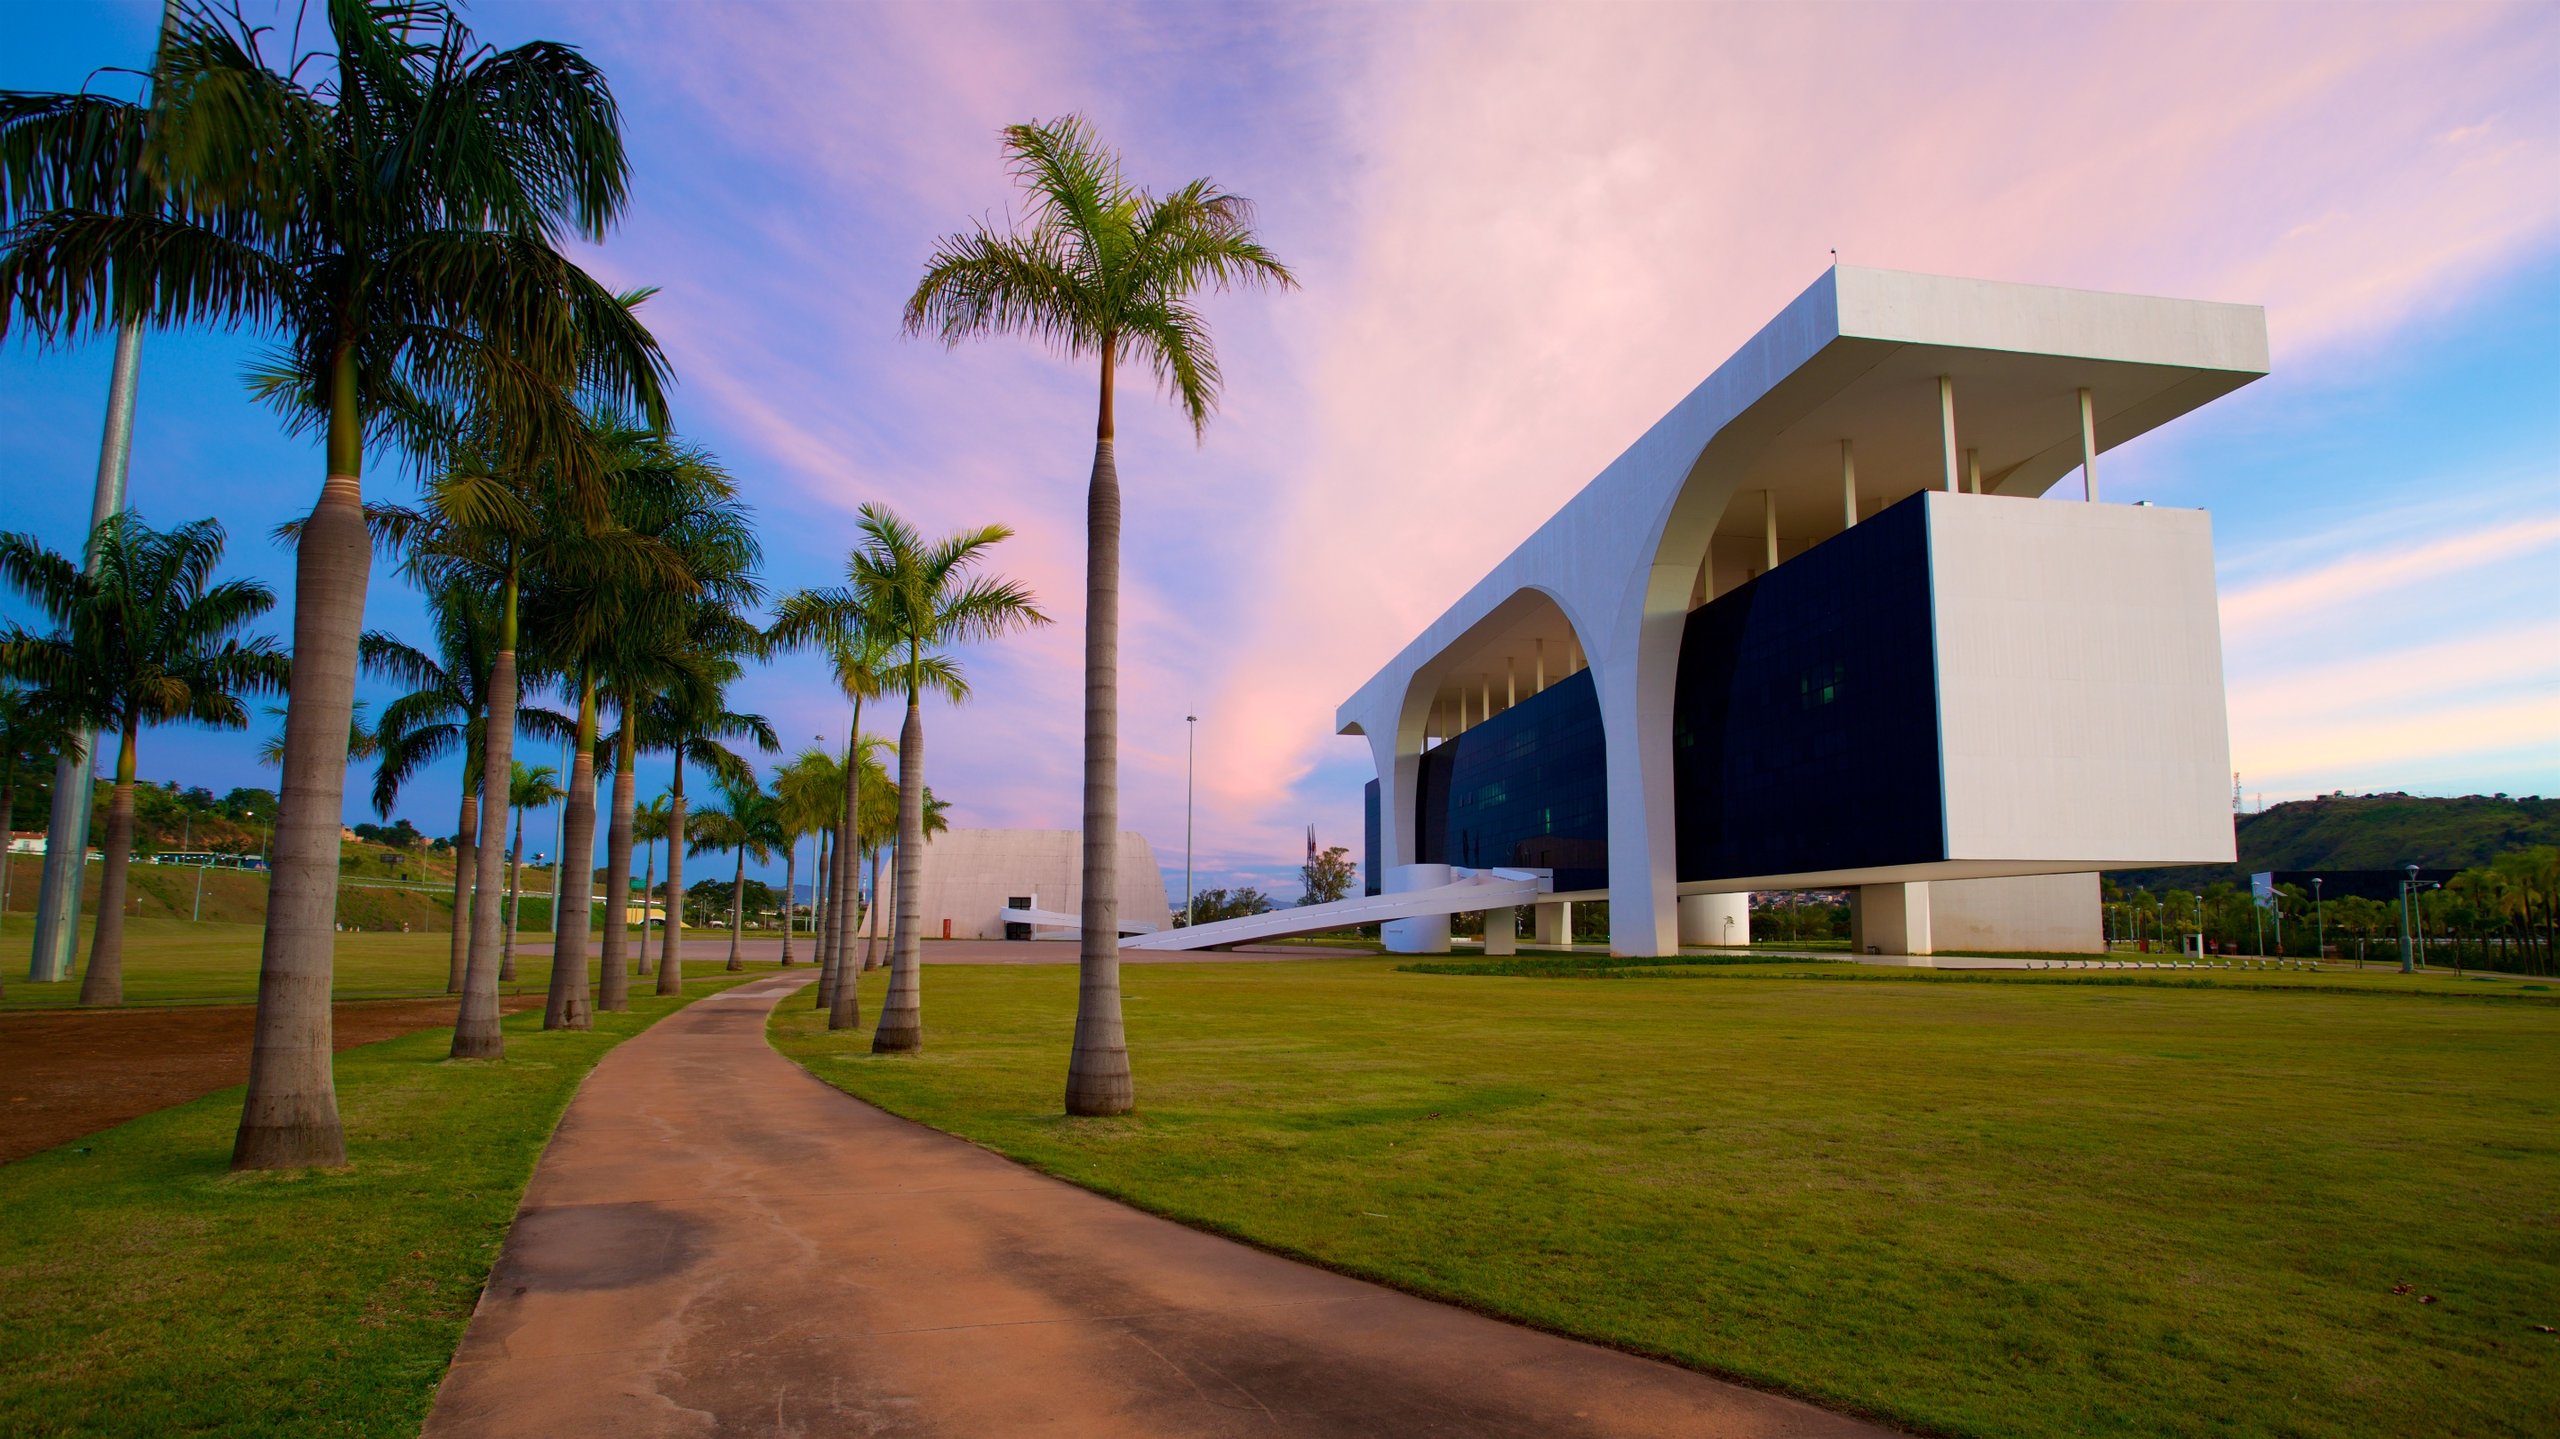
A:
2371	831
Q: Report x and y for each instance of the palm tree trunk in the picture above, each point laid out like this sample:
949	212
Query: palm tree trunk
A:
871	944
648	897
844	1000
565	1006
671	933
515	905
466	840
901	1028
613	991
737	910
290	1118
1098	1072
104	983
475	1033
790	892
8	825
830	963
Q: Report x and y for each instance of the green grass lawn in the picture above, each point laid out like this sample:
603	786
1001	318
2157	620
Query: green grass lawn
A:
175	961
146	1290
2041	1205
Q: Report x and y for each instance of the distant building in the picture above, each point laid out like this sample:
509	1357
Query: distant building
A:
971	876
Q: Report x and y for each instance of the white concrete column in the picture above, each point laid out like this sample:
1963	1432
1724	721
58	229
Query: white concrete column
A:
1889	919
1848	486
1510	681
1715	919
1947	425
1551	922
1538	686
1502	931
1634	681
1484	711
1769	527
1399	776
1427	935
1973	472
2088	448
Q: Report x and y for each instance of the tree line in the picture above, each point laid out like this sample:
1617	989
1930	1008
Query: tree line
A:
394	210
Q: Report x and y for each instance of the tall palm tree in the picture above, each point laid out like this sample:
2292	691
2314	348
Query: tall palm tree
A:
32	722
445	712
860	651
741	818
924	597
875	832
648	826
150	638
809	795
400	222
690	721
677	496
1101	269
529	786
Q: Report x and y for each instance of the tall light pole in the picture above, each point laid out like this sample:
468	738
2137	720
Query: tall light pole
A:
2408	898
1190	754
2320	917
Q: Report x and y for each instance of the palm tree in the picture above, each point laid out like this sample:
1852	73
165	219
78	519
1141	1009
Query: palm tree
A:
678	497
743	818
529	786
1105	270
31	722
874	833
401	225
361	743
444	713
809	795
648	826
922	597
691	721
860	650
147	639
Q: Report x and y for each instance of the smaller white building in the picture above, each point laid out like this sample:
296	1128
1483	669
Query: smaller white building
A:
971	876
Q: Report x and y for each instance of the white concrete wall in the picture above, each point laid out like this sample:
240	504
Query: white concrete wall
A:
970	875
1715	919
2050	913
2079	682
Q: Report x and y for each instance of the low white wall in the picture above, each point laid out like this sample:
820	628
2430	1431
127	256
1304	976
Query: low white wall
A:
2051	913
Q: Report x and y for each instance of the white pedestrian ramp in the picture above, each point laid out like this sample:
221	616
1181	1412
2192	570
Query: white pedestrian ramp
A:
1073	924
1469	891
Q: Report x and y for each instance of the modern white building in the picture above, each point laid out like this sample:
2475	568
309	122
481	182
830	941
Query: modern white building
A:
1819	627
971	876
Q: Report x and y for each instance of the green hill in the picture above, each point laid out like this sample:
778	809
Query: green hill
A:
2371	831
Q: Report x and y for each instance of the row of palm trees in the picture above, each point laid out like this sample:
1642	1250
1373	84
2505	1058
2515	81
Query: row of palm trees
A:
394	209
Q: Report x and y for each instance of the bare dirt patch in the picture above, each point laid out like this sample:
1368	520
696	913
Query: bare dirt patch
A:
64	1074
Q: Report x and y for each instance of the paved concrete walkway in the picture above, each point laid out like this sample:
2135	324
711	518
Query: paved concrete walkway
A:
718	1244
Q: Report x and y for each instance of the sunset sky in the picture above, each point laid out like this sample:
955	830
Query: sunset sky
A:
1522	234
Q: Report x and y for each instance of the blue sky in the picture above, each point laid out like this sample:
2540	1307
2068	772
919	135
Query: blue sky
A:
1523	232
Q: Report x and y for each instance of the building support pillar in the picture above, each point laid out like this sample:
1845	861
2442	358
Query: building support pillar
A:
1510	681
1428	934
1848	486
1947	425
1551	922
1502	931
1889	919
1538	684
1715	919
1769	528
1973	472
2088	447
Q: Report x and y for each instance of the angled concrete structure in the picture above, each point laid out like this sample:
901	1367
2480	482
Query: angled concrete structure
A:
1812	629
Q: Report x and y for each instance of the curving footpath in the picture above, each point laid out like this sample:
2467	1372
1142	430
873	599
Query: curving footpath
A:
716	1243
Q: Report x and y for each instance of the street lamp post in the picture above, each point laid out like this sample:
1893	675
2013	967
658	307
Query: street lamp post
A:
1190	753
2320	917
2408	898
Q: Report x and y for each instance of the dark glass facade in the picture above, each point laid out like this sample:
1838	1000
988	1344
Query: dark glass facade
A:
1527	788
1804	734
1805	722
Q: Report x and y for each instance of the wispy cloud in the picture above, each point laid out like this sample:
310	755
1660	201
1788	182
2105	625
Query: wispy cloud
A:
2319	590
